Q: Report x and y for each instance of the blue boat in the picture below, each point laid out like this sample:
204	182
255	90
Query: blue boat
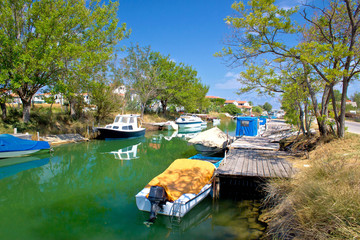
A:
11	146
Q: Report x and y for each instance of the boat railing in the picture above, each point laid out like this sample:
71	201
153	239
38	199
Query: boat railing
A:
176	211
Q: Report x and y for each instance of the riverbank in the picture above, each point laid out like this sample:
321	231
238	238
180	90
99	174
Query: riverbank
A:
322	201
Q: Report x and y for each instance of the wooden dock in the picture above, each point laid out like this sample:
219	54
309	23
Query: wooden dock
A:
255	163
256	157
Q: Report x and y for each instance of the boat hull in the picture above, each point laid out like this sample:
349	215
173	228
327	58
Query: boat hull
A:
177	208
205	150
186	126
113	133
17	153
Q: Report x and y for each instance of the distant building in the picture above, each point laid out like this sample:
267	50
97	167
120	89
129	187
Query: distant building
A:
243	105
349	102
239	104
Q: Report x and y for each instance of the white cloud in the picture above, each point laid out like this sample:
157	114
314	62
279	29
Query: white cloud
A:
229	82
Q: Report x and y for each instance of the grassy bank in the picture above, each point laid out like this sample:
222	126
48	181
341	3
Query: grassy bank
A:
323	200
56	120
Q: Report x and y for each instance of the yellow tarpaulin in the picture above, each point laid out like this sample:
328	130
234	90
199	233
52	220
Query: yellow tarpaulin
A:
184	176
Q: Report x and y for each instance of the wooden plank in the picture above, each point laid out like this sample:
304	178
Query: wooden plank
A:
239	164
251	171
234	160
260	166
268	168
288	168
246	163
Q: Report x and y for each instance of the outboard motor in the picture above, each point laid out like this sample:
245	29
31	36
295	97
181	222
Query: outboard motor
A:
157	198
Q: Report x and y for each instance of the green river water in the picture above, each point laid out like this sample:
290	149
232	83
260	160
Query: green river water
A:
83	191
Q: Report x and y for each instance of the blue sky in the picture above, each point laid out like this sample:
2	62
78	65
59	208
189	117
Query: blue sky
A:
190	31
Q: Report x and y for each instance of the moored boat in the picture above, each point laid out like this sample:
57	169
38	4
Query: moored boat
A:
124	126
184	184
11	146
189	122
211	141
216	121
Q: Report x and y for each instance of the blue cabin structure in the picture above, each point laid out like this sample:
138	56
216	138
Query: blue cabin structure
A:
263	120
247	126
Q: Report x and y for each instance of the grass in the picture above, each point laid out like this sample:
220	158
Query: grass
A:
323	200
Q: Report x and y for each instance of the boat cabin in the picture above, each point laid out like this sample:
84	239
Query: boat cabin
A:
124	122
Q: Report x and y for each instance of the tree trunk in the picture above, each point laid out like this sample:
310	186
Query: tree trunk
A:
26	110
307	120
341	129
164	106
301	119
3	109
142	110
336	117
72	104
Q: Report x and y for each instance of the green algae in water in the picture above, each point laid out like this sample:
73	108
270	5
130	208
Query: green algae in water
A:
85	191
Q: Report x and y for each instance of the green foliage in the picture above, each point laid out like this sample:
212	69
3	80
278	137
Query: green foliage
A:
45	43
102	96
356	98
267	107
257	109
231	109
141	74
179	84
328	52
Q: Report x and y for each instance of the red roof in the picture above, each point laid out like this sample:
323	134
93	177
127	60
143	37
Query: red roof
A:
248	107
230	101
212	97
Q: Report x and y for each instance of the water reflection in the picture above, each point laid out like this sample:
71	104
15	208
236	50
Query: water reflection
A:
82	192
128	150
13	166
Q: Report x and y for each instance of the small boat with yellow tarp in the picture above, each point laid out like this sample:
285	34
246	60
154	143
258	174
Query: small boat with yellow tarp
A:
178	189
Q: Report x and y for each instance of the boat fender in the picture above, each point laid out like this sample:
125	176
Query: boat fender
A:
157	198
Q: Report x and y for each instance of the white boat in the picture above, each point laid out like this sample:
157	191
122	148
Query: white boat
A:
211	141
216	121
187	182
189	122
124	126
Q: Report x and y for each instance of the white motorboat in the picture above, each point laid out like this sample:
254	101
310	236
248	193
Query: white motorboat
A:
216	121
189	122
184	184
124	126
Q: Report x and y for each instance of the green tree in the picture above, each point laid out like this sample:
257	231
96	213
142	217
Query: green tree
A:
174	78
141	74
356	98
267	107
231	109
257	109
103	97
328	51
45	41
216	104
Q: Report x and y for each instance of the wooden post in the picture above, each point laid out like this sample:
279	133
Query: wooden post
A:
216	188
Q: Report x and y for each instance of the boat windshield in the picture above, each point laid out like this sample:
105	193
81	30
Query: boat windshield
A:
116	119
125	119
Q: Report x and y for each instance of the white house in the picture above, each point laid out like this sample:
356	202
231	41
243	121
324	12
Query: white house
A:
240	104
